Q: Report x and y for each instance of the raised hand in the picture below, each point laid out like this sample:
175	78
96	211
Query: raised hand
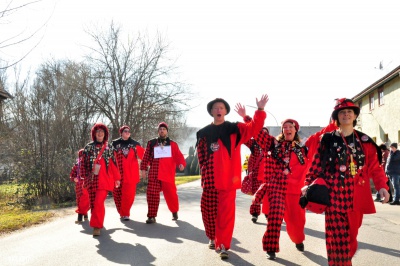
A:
262	102
240	109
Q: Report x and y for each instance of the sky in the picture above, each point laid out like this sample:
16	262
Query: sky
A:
302	54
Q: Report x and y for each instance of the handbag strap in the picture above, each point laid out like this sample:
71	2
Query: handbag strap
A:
100	153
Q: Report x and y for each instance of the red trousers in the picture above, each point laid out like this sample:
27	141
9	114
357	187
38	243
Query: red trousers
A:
98	211
218	213
154	187
124	196
283	207
82	199
341	230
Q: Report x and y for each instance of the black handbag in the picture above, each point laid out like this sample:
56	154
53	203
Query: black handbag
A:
317	197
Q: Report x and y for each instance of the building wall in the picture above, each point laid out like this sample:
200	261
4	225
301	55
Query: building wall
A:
383	119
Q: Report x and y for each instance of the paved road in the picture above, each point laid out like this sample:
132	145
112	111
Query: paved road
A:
184	243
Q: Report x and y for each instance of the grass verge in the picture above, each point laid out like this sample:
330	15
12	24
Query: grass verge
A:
13	218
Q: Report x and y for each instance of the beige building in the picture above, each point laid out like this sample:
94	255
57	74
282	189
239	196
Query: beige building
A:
380	109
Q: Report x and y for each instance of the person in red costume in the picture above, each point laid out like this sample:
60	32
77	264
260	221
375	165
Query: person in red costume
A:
82	196
346	159
128	154
255	158
101	174
218	149
285	167
163	156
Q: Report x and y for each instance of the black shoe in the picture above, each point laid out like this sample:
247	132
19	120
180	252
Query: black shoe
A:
211	244
174	216
79	220
396	202
151	220
300	247
85	217
254	218
377	200
271	255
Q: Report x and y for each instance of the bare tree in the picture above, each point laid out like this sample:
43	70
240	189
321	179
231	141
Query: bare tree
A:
20	37
134	82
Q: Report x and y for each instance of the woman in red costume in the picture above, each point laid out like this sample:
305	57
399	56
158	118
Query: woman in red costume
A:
218	149
101	174
347	159
285	166
82	196
128	154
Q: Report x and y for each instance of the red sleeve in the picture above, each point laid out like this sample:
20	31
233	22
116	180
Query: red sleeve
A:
375	169
178	156
140	152
252	128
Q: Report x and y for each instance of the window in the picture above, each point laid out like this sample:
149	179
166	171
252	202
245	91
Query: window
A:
386	138
381	100
371	102
374	139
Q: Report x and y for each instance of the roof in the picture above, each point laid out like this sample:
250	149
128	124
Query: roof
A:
391	75
4	94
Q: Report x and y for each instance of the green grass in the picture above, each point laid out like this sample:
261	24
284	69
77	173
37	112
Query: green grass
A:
185	179
14	217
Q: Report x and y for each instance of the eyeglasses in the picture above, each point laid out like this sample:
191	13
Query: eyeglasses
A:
126	131
100	130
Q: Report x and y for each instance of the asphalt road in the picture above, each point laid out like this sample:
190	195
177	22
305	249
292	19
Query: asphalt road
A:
61	242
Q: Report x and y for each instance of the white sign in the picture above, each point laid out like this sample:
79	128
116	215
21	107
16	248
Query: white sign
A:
162	152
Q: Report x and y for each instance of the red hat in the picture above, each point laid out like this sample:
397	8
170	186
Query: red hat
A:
121	129
218	100
99	126
163	124
344	103
294	122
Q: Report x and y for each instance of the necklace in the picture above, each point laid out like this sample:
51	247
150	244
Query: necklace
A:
350	147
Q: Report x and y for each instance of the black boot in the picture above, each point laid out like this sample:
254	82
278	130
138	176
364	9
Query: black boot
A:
79	220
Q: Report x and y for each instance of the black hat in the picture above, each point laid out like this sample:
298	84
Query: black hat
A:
344	103
394	144
218	100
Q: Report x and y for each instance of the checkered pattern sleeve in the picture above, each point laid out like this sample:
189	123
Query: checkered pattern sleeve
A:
314	170
147	157
73	174
202	152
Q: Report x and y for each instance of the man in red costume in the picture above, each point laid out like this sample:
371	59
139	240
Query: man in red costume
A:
100	172
128	154
346	159
218	149
82	196
162	155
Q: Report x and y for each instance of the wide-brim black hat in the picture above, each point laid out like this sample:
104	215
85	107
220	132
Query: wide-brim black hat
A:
218	100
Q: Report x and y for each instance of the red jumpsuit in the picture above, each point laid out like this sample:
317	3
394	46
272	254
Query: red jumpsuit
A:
218	149
82	196
285	167
128	154
161	175
99	185
350	194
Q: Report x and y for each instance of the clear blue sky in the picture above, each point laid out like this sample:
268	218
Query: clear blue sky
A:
303	54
